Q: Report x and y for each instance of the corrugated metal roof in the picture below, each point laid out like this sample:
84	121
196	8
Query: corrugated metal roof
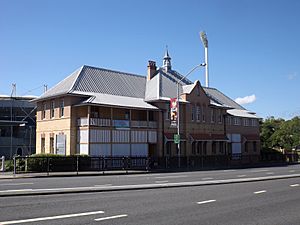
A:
113	100
111	82
63	87
220	98
241	113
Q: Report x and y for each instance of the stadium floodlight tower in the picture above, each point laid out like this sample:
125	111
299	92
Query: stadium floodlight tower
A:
204	40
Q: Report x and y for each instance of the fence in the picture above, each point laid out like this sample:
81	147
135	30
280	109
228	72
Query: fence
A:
80	163
77	164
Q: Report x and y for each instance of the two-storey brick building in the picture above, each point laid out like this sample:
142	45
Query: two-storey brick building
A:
102	112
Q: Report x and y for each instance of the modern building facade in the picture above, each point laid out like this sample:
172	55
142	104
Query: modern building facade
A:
102	112
17	126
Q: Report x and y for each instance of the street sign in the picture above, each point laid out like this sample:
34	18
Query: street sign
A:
176	138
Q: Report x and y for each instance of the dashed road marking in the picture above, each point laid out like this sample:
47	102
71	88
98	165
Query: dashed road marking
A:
51	218
258	171
14	184
207	201
259	192
102	185
270	173
161	181
167	177
111	217
207	178
291	171
243	175
294	185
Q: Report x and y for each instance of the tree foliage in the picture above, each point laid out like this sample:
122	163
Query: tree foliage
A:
280	133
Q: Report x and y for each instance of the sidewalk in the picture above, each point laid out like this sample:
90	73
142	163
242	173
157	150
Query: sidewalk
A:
10	175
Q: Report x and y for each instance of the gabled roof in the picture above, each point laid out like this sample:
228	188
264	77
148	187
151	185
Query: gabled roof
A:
99	80
219	98
164	85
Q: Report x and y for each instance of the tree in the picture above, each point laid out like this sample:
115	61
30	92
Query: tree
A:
278	133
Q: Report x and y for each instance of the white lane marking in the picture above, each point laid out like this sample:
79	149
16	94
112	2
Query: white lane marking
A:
270	173
259	192
243	175
294	185
228	170
102	185
14	184
258	171
291	171
111	217
207	201
207	178
16	190
51	218
167	177
161	181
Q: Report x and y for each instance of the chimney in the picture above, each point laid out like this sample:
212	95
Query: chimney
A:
151	69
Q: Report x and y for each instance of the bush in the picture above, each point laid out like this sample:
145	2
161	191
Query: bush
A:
9	165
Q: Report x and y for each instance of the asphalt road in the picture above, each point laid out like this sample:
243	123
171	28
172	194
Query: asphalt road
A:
272	202
137	179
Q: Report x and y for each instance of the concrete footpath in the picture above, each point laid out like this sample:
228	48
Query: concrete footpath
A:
10	175
69	190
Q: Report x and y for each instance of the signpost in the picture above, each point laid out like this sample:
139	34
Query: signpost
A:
176	138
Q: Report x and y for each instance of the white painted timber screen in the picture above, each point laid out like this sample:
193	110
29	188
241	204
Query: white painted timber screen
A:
139	150
152	136
99	136
120	136
82	136
120	149
100	150
138	136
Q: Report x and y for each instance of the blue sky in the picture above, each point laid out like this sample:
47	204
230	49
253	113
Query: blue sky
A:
254	46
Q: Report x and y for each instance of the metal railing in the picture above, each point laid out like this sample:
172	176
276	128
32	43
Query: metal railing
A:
85	163
84	121
78	164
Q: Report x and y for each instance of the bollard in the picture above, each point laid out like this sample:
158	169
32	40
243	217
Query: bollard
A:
3	164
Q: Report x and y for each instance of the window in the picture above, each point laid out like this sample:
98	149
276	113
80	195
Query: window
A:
127	115
198	91
198	113
219	116
253	122
246	122
204	152
193	113
254	146
62	108
236	121
229	120
52	109
203	113
168	112
44	111
221	147
214	147
246	146
42	145
212	115
168	148
199	148
194	148
52	145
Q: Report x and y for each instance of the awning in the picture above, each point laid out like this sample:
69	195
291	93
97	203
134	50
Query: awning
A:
251	137
208	137
170	136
